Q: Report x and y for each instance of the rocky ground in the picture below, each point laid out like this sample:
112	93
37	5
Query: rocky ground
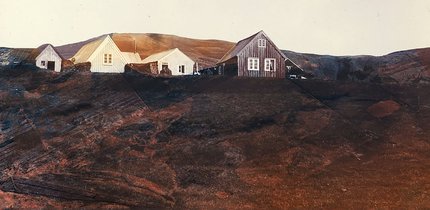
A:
404	67
81	140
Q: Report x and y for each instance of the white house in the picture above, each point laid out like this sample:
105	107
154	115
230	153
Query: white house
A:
174	59
49	59
103	54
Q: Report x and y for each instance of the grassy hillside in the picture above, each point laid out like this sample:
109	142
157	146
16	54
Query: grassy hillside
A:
89	140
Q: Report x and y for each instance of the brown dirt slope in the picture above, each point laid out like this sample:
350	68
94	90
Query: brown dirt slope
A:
80	140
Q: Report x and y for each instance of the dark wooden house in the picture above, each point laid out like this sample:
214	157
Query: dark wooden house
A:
255	56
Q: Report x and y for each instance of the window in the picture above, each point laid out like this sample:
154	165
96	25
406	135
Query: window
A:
107	59
261	43
182	69
269	64
43	63
253	64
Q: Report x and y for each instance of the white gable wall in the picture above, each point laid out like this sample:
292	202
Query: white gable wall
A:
97	58
49	54
174	60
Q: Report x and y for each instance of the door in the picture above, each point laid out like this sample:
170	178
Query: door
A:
51	65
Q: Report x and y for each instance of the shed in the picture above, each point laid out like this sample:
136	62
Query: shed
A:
174	60
255	56
103	54
49	59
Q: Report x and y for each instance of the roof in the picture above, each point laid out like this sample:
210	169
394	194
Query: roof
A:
158	56
43	48
87	50
19	55
36	52
132	57
234	51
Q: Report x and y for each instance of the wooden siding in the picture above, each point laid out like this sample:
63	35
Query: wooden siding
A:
230	67
253	51
118	62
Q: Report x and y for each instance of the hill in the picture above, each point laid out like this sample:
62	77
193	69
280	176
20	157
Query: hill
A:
81	140
409	66
205	52
403	67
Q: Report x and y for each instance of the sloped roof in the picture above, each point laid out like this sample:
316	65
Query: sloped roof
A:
87	50
69	50
42	48
132	57
19	55
234	51
158	56
36	52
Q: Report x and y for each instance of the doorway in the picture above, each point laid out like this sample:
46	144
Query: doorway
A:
51	65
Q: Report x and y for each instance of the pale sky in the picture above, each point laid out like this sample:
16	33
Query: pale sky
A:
336	27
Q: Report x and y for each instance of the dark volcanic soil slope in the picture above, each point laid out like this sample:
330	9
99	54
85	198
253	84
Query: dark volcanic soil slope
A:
409	66
82	140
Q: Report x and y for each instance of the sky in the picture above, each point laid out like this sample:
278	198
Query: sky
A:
335	27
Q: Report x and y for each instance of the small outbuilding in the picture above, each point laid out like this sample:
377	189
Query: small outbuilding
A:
174	60
103	54
50	59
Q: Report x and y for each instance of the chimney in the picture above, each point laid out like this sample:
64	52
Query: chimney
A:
135	47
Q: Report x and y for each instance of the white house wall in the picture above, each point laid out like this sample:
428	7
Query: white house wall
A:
176	59
48	54
97	59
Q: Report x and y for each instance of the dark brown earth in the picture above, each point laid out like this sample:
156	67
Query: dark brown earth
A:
81	140
408	66
383	108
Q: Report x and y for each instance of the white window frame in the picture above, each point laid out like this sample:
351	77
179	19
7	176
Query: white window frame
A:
106	61
43	63
262	43
267	64
253	64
